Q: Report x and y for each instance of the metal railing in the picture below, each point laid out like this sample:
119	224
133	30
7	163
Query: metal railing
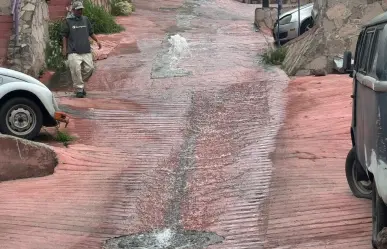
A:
15	15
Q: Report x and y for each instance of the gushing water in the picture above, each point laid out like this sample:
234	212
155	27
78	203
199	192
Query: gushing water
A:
179	49
164	237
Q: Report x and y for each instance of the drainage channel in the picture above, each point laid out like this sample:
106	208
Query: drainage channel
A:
173	236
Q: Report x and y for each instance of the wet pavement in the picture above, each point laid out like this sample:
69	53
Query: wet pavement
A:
175	144
310	204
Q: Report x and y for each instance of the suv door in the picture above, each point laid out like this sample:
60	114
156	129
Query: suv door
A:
364	96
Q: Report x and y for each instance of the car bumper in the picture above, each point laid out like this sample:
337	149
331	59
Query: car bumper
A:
61	117
286	32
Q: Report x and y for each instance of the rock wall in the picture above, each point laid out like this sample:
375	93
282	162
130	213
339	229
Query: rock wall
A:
337	27
20	158
27	53
5	7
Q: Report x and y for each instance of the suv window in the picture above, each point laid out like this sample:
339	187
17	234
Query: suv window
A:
358	46
374	56
365	51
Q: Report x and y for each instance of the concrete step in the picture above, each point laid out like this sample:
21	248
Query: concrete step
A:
5	27
5	19
4	44
5	36
56	8
57	15
59	3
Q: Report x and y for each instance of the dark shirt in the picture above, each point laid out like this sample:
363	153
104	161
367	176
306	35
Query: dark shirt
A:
77	31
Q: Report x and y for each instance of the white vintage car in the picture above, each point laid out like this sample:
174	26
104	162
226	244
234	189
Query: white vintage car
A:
26	105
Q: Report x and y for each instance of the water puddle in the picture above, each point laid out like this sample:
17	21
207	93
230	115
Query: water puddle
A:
165	239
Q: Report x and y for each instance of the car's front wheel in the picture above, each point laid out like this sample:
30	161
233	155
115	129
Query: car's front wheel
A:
21	117
359	188
306	26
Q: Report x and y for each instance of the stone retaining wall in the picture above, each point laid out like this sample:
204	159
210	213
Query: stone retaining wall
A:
336	30
27	53
5	7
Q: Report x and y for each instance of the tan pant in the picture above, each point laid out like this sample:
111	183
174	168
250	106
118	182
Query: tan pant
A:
81	68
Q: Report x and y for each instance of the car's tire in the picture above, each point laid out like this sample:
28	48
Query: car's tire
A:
21	117
360	189
306	25
379	214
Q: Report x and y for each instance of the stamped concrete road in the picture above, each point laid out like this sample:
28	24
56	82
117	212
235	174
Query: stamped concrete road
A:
176	140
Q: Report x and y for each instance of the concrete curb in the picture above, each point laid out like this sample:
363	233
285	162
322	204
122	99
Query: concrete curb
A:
22	158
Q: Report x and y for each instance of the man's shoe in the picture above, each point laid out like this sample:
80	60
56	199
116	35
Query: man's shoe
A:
80	95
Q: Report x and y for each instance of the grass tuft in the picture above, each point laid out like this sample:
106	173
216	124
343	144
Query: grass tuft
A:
274	56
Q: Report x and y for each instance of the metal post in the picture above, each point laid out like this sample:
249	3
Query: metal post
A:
278	24
299	19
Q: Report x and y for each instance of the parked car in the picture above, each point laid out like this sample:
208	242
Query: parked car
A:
288	23
26	105
366	163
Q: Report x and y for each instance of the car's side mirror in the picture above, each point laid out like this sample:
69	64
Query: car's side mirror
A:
347	63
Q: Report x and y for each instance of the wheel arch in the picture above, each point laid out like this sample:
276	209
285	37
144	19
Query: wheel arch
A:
47	119
353	137
308	19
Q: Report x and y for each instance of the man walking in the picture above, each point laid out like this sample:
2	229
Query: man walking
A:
76	46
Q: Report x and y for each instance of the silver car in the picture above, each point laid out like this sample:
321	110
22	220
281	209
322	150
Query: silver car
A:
288	23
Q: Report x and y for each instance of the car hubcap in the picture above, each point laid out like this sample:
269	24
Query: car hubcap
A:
21	120
364	187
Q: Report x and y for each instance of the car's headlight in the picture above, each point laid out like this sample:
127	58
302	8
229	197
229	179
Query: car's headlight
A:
285	20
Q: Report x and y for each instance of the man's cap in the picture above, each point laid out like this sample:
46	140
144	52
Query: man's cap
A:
78	5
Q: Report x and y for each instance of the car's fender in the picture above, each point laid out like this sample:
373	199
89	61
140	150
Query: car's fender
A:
41	92
305	13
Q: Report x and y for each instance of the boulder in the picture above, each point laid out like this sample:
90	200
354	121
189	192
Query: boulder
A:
21	158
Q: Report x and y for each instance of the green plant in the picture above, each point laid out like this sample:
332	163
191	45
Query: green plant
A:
102	21
274	56
122	7
54	58
63	137
41	72
55	31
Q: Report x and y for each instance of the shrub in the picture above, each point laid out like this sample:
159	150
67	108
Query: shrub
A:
102	21
63	137
54	58
122	7
274	56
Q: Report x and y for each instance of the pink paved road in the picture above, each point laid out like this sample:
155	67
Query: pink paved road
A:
194	152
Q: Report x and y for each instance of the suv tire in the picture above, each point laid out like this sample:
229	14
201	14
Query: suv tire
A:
360	189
